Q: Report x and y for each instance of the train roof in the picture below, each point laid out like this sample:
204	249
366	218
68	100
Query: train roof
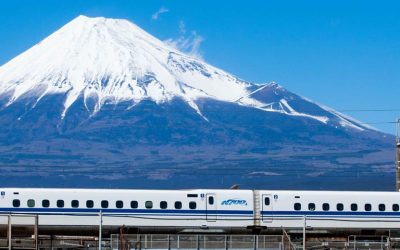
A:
14	189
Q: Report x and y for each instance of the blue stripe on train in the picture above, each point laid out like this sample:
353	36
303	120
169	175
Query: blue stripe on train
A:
328	213
128	211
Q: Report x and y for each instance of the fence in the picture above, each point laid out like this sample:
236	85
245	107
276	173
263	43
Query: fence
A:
244	242
215	242
191	242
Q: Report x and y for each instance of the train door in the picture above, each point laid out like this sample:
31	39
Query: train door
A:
267	208
211	207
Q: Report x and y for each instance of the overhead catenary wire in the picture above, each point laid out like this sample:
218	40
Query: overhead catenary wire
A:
368	110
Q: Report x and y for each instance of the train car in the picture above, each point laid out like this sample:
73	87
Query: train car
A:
330	209
157	210
200	209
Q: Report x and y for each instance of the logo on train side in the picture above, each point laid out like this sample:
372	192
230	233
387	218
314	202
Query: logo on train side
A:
230	202
3	194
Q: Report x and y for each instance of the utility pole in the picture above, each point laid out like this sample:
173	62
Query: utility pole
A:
304	231
398	155
9	232
100	228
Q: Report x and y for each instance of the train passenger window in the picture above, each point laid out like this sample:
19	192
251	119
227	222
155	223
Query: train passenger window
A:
368	207
395	207
325	207
89	204
75	203
353	207
297	206
211	200
163	205
60	203
119	204
148	204
45	203
16	203
382	207
104	204
311	206
134	204
267	202
31	203
178	204
339	207
192	205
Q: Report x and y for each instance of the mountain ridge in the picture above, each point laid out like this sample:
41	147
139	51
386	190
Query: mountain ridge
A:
94	58
101	99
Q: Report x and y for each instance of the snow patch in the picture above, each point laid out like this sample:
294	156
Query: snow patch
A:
322	119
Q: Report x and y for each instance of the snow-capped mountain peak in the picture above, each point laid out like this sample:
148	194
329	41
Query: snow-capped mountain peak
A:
112	60
105	60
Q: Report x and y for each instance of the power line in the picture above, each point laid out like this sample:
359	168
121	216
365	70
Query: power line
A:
368	110
371	123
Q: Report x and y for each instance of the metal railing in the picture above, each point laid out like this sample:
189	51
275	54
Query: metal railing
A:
194	241
215	242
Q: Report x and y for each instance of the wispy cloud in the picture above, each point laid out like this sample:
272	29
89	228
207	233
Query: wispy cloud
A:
187	42
157	14
182	28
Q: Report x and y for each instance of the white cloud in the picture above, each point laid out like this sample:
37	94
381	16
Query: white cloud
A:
182	27
159	12
189	44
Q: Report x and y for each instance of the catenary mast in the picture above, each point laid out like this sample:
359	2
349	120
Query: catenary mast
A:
398	155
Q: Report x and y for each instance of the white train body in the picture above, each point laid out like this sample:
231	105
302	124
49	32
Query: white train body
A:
194	209
331	209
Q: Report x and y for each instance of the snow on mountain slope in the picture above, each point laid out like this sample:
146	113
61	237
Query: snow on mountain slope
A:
113	60
274	98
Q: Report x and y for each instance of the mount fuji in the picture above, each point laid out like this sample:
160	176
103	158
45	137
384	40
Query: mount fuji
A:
100	102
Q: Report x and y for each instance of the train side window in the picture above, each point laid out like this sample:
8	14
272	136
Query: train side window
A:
211	200
74	203
16	203
267	202
178	205
325	207
368	207
297	206
354	207
382	207
339	207
60	203
148	204
395	207
89	204
311	206
134	204
119	204
192	205
45	203
163	205
31	203
104	204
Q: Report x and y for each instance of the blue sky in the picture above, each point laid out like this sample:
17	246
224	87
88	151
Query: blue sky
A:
344	54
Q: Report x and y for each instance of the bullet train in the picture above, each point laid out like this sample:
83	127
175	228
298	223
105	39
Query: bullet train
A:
200	209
